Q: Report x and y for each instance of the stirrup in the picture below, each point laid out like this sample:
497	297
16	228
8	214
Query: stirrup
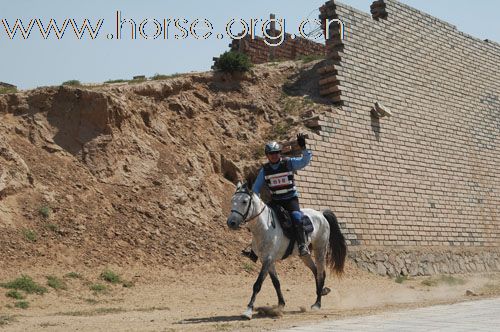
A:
303	250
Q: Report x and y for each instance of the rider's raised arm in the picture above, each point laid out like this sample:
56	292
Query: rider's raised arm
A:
301	162
259	181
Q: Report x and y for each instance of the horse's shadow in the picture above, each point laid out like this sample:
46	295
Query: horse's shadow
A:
234	318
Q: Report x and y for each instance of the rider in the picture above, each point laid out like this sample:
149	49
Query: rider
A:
278	175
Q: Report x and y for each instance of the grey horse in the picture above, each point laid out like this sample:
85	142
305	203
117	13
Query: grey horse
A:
270	244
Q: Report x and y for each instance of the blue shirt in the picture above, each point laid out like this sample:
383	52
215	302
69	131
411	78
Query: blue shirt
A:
294	164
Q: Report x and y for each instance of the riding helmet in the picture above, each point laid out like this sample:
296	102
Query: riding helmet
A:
272	147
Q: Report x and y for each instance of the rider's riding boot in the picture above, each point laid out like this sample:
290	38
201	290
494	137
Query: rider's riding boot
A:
250	254
301	240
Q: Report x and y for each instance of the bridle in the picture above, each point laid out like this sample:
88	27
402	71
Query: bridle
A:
244	216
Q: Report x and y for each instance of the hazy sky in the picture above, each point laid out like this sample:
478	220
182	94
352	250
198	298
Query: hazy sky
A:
37	62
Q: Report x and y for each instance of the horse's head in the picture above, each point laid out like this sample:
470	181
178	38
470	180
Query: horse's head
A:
241	204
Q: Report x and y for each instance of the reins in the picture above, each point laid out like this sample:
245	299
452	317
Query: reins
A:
256	215
245	220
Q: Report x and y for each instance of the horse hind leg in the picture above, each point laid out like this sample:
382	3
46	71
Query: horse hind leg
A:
320	279
310	264
276	283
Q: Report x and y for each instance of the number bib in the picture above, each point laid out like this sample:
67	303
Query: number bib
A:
279	181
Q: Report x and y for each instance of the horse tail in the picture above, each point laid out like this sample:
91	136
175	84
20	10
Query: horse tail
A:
337	248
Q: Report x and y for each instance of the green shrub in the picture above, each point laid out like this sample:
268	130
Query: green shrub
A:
138	79
30	235
22	304
116	81
26	284
110	276
98	288
231	61
5	89
164	77
45	211
15	294
72	83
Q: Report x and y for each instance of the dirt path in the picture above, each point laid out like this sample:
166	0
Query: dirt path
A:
198	300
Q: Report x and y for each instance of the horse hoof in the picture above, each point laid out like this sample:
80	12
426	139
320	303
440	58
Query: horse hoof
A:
248	314
316	306
325	291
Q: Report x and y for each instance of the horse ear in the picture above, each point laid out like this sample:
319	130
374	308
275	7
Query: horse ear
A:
248	188
238	186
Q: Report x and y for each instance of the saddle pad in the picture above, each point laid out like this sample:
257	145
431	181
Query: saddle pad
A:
290	233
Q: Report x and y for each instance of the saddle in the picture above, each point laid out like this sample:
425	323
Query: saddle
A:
285	221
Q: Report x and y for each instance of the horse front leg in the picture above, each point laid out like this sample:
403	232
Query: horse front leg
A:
256	287
276	283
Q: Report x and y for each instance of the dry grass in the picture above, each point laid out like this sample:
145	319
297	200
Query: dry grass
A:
94	312
6	319
443	280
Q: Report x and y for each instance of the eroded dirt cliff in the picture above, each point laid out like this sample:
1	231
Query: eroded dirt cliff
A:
139	172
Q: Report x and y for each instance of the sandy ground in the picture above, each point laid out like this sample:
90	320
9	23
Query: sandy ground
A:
199	299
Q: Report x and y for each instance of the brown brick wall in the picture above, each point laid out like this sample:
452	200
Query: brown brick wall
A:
290	49
430	174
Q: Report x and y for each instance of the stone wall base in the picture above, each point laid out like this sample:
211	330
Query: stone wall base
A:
425	261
